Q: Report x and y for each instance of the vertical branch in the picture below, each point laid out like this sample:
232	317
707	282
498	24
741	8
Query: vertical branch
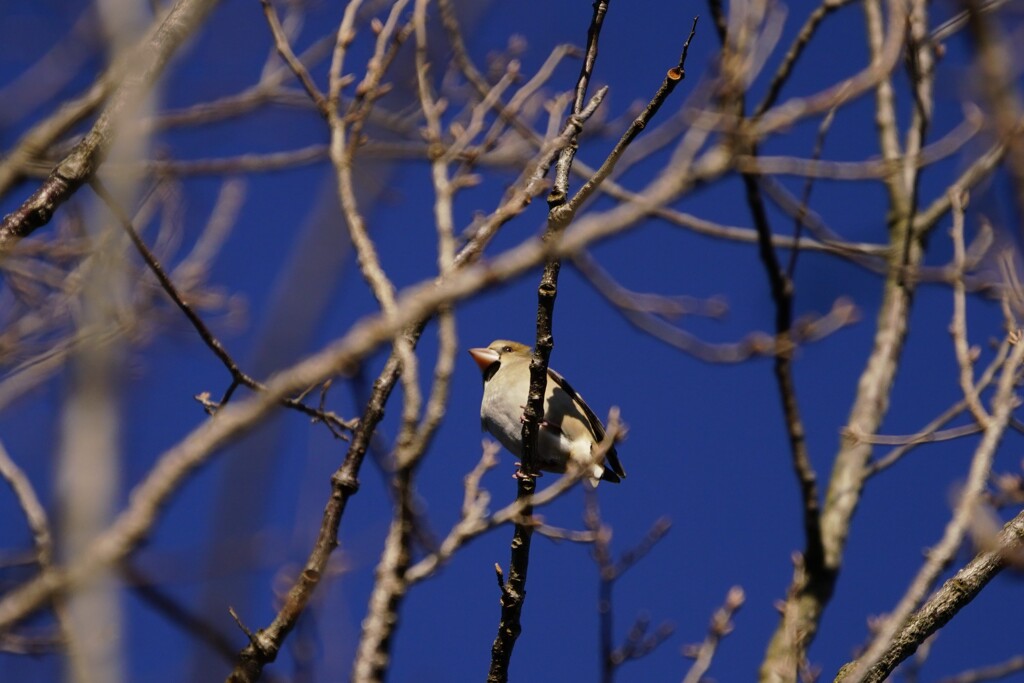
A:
638	643
885	106
781	286
786	655
444	219
958	328
557	222
266	643
391	584
602	554
389	587
345	134
872	399
560	191
513	591
920	65
780	281
813	582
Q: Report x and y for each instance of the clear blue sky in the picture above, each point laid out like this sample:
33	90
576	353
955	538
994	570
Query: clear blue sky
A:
706	445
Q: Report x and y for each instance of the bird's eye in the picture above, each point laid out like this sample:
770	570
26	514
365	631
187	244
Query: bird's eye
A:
506	349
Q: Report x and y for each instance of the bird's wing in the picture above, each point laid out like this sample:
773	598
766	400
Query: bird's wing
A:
612	456
596	426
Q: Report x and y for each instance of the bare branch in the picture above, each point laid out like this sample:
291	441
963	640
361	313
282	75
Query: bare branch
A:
148	62
284	49
237	375
39	524
895	636
721	626
954	594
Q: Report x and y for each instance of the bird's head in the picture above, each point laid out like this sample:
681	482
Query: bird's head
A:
489	359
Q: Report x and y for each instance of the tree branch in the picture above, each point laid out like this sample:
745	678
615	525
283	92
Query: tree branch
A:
148	62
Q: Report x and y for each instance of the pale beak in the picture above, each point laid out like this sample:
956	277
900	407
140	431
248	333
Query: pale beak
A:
485	358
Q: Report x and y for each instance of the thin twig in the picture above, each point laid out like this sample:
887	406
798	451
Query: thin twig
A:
39	525
958	327
954	594
475	521
940	556
638	642
803	37
929	432
284	49
673	77
720	627
238	376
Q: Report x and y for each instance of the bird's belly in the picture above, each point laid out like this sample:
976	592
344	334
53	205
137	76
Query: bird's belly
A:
553	450
503	427
503	419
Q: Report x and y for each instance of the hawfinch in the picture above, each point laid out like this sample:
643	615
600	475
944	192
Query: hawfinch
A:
569	428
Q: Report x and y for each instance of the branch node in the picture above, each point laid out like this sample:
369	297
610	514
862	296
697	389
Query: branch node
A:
345	481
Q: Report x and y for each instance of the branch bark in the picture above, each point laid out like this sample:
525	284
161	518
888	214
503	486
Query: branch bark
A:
148	62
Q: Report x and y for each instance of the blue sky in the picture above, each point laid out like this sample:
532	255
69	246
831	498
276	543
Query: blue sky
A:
706	445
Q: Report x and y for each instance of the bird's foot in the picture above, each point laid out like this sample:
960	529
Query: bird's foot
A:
520	473
543	424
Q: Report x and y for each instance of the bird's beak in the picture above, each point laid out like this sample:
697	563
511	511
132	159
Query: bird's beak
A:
485	358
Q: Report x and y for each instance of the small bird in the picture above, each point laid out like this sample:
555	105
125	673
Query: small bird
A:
569	428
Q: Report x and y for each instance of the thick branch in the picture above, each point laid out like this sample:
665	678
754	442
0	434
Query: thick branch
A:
954	595
812	584
83	160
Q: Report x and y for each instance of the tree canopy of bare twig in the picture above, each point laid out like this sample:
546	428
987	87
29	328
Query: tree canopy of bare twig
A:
245	246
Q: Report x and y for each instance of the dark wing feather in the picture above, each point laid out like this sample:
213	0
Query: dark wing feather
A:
596	426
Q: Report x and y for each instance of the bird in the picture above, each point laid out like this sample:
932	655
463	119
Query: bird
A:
569	429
